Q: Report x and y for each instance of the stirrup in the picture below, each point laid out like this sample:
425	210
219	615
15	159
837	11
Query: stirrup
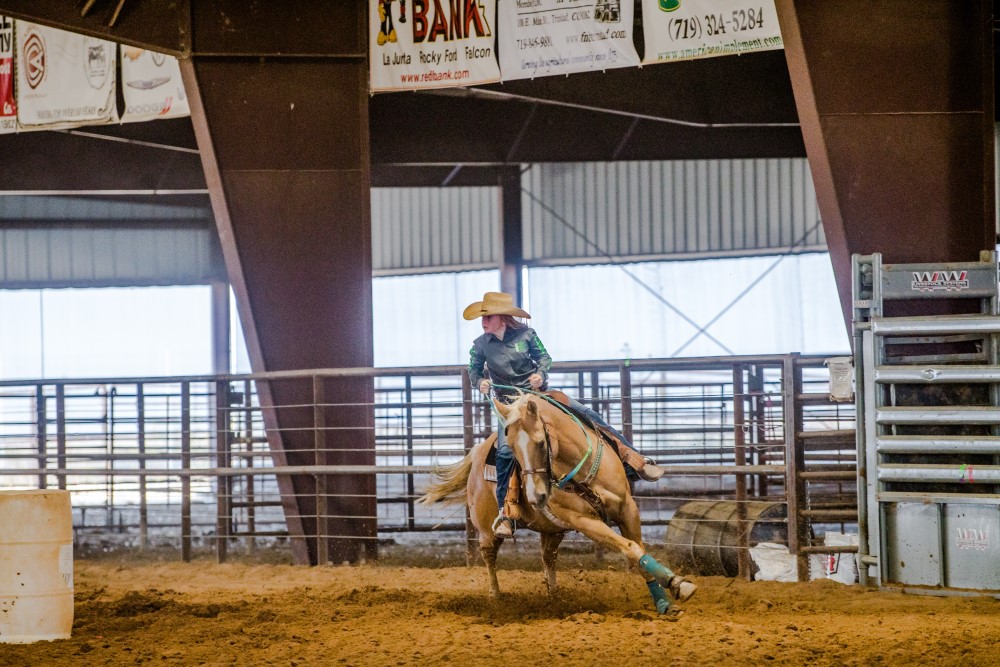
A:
681	589
503	526
650	472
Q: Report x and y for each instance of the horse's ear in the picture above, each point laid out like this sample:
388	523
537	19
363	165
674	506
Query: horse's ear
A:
501	407
532	409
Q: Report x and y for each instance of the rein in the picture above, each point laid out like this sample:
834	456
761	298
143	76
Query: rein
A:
562	483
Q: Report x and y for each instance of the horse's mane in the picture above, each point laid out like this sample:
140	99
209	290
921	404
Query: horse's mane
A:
542	402
514	409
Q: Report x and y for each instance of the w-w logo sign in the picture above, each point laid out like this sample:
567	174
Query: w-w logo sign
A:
970	538
940	281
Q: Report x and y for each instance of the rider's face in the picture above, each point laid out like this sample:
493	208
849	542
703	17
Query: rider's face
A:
492	324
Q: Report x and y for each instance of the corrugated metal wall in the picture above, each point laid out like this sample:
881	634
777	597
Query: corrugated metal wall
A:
62	208
60	241
573	213
584	212
418	230
122	255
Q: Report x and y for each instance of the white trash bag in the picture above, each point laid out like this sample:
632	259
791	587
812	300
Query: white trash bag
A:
840	567
773	562
841	378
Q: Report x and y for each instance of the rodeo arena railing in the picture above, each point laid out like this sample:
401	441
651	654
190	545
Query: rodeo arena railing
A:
754	448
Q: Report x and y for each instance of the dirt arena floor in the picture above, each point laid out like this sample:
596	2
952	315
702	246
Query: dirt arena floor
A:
130	613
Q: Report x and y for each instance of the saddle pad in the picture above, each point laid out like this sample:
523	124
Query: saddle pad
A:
490	469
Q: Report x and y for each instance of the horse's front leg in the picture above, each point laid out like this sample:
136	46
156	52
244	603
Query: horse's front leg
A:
550	551
489	545
656	574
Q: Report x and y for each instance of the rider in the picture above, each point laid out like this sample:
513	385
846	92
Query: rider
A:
510	353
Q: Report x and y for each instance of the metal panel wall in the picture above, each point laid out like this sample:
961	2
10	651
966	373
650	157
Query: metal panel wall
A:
579	212
64	208
416	230
584	212
87	255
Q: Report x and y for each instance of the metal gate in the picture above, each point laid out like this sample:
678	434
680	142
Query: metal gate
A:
928	410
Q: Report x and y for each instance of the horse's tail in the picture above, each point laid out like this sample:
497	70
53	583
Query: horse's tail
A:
450	489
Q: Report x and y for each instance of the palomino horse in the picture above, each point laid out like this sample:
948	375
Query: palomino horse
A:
569	484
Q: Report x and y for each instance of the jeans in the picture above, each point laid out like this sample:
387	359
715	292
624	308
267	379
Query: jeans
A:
505	455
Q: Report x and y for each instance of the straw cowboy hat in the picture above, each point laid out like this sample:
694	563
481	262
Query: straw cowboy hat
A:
494	303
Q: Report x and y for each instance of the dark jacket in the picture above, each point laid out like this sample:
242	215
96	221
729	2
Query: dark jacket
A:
509	361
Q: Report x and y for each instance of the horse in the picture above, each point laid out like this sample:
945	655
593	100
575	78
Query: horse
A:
569	485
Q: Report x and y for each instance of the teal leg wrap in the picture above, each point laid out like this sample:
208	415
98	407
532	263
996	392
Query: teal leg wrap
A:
659	596
663	574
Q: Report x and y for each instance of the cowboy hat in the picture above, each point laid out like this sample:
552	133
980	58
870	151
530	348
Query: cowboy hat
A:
494	303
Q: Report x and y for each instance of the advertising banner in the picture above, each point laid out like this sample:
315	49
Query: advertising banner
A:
63	79
687	29
8	110
546	37
152	86
431	43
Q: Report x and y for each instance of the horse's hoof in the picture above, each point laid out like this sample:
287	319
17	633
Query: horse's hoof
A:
672	614
681	589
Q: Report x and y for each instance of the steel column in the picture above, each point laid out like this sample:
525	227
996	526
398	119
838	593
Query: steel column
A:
895	101
186	464
795	488
739	444
284	143
511	235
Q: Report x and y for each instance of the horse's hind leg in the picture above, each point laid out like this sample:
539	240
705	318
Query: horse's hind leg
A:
550	551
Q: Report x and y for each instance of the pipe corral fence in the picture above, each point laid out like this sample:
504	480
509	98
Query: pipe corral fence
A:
188	463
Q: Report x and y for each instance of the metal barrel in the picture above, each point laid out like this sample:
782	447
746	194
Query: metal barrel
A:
703	535
36	566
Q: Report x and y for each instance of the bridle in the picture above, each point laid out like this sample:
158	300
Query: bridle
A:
582	488
547	470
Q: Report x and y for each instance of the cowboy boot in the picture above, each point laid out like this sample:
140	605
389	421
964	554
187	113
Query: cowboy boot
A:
649	472
511	506
503	526
645	468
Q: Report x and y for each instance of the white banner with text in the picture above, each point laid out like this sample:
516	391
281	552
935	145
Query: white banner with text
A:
688	29
151	85
548	37
63	79
417	44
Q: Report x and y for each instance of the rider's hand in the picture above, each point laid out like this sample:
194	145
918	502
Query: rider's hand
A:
535	380
484	386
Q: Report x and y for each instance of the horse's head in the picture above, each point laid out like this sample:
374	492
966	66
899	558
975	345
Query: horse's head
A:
527	437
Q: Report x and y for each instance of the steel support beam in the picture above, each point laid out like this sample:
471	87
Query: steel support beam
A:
512	235
895	100
160	25
62	162
284	145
